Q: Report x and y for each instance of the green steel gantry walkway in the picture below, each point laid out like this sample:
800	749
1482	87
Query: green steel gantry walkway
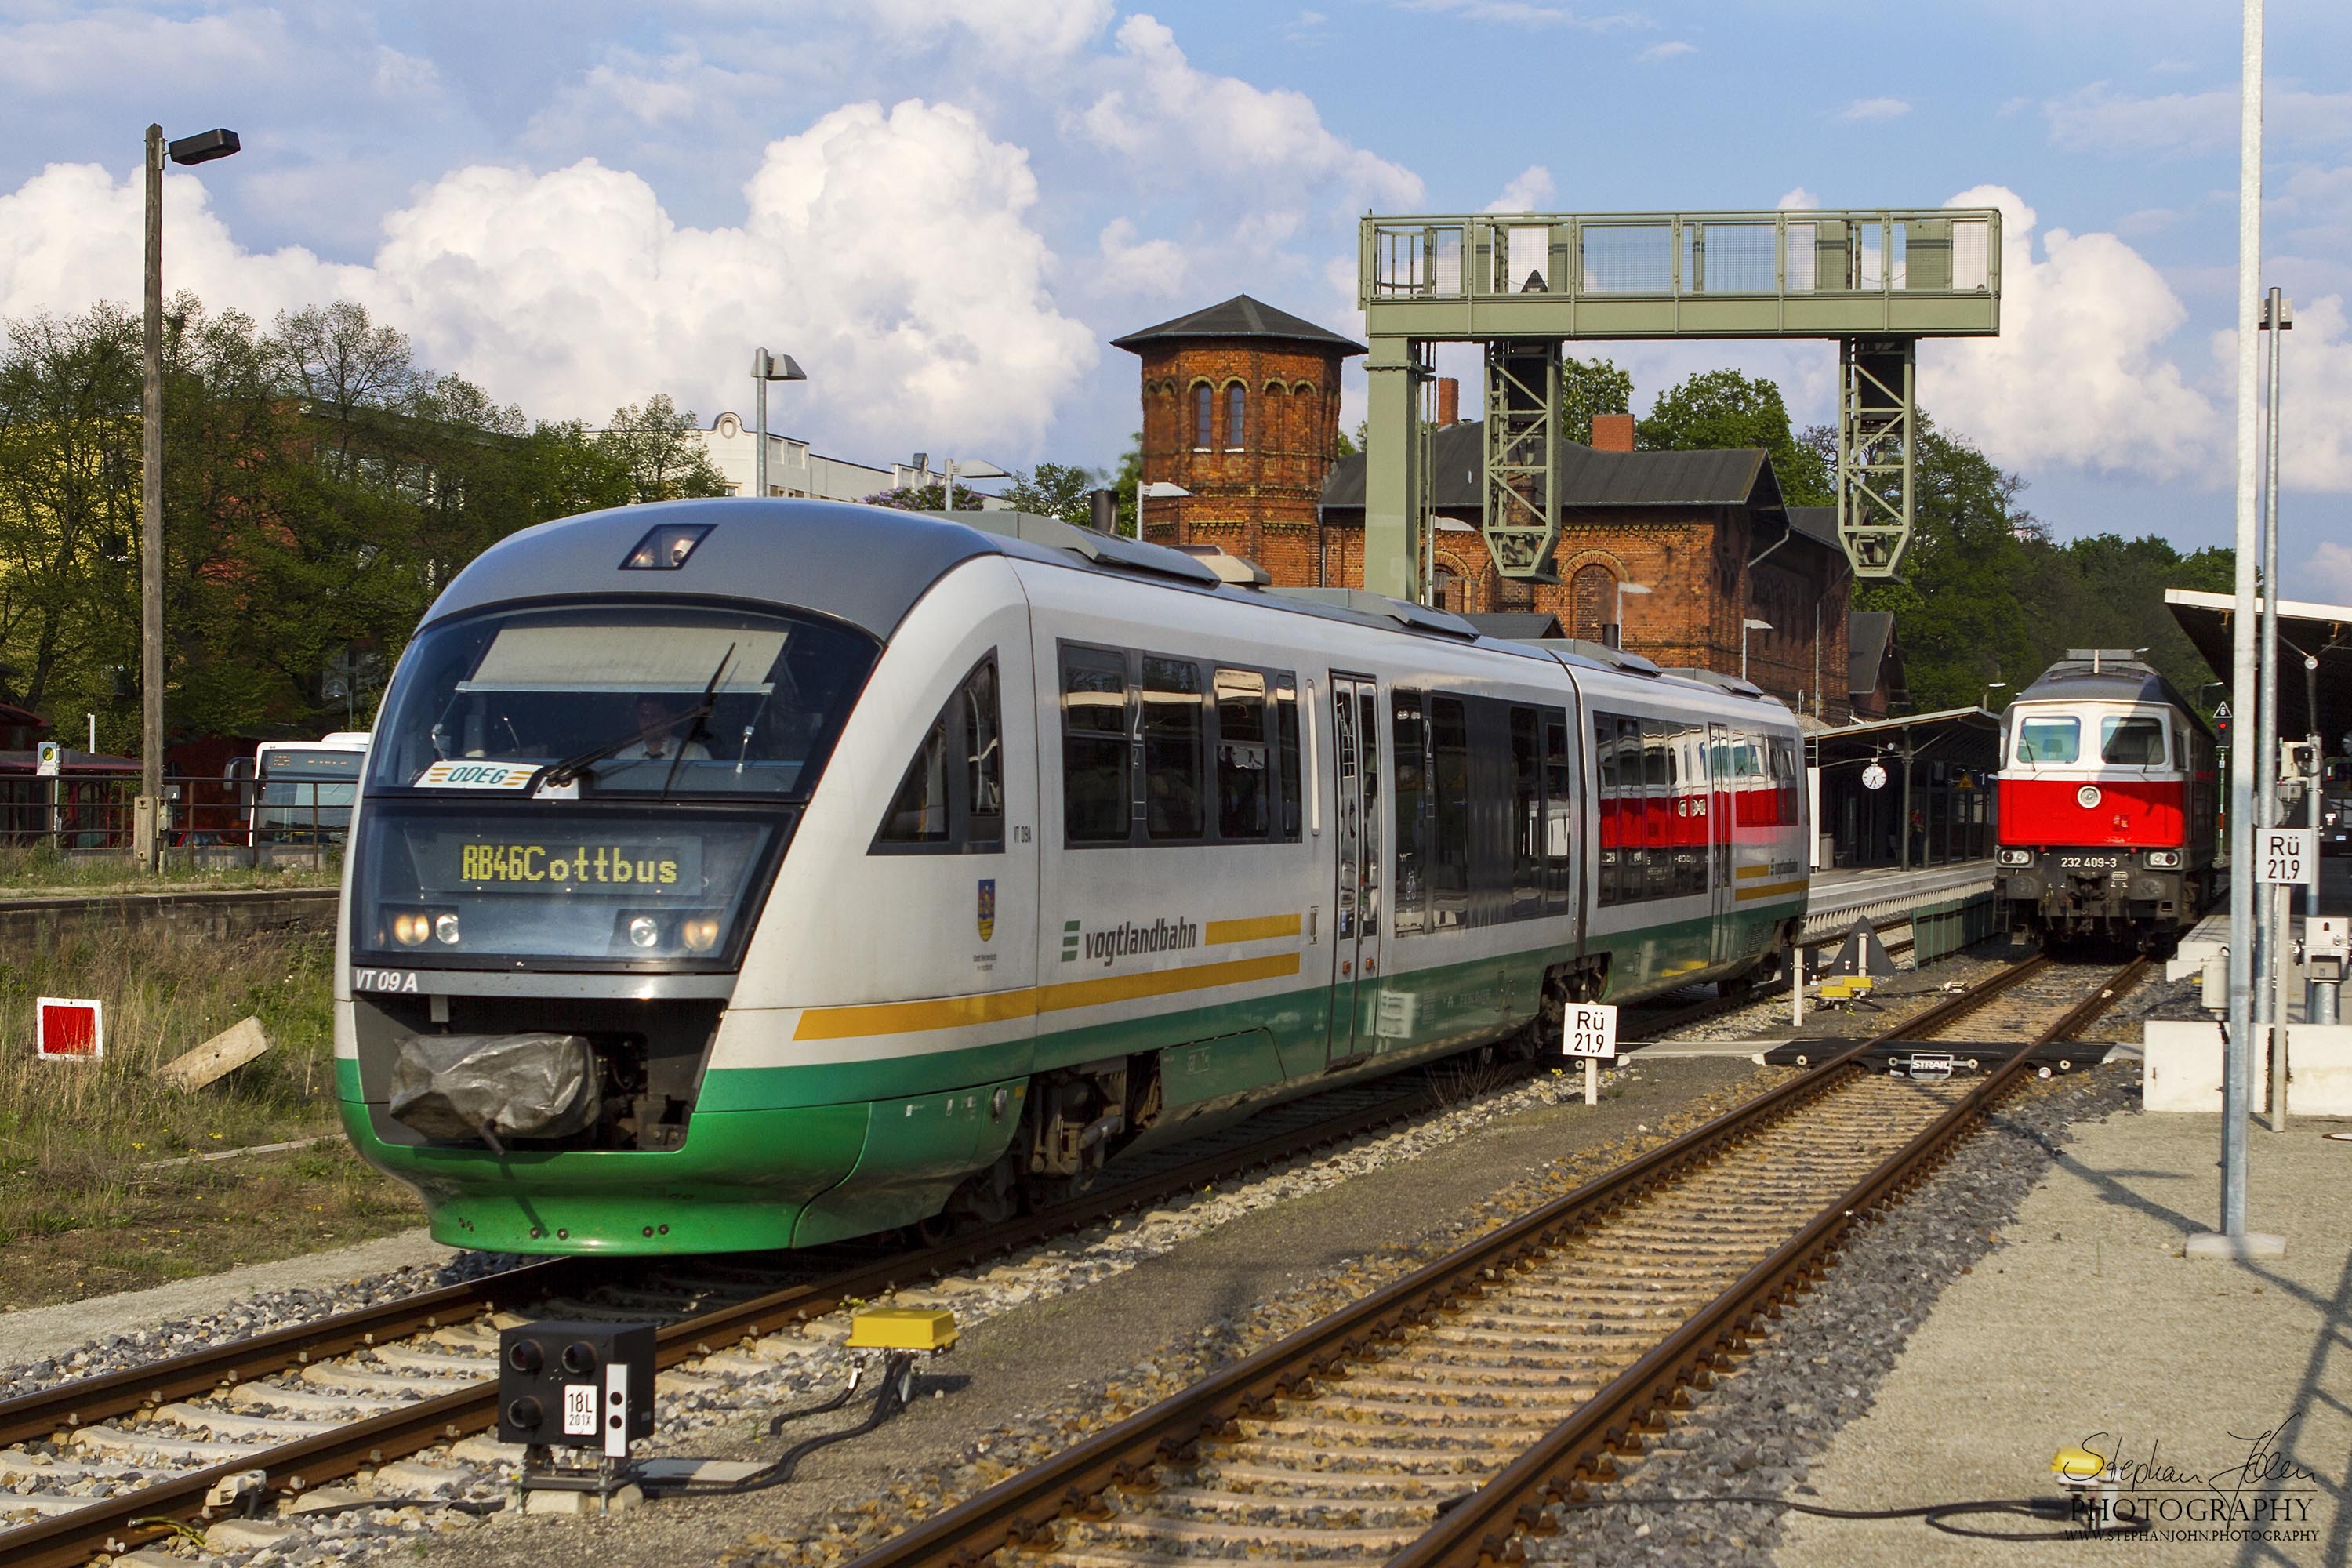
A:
1524	284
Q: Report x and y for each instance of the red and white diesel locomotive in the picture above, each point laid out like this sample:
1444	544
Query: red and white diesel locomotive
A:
2109	804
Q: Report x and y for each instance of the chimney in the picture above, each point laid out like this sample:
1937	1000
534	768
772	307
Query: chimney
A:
1449	403
1102	509
1612	432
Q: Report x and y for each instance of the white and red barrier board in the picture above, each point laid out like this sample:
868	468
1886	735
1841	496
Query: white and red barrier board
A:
69	1028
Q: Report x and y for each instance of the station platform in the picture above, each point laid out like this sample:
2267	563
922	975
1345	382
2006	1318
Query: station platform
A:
1838	897
2226	1383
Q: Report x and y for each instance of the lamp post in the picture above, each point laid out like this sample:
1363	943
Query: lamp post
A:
147	812
1748	624
1624	588
971	468
1158	490
767	367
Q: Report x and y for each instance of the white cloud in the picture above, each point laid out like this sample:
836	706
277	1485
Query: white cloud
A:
1268	148
2329	573
1018	32
1531	192
2097	119
2078	377
887	250
1665	51
2314	402
1798	199
1870	109
1125	265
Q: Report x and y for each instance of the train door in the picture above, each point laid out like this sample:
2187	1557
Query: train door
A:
1725	787
1356	896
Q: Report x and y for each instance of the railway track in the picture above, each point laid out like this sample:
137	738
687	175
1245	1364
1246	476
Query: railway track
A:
115	1460
1428	1423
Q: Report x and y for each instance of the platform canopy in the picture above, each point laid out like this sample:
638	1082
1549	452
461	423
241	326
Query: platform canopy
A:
2321	634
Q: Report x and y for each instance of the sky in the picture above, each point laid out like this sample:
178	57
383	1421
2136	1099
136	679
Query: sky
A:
945	209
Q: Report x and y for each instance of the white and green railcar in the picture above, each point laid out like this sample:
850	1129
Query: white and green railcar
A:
750	874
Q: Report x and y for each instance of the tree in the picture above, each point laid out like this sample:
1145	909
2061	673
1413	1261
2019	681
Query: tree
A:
1056	489
1719	410
659	446
1588	387
926	497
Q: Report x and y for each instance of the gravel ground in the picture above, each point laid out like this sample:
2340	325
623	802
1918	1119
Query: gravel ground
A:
1756	1431
239	1319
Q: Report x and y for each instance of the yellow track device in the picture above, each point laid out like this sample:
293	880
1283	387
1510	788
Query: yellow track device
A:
927	1330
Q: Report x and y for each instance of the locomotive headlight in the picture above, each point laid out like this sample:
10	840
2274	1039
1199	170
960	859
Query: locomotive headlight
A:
700	933
410	927
445	929
643	931
2164	859
2017	856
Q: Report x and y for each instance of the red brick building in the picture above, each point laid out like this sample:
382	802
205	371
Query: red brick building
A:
1241	407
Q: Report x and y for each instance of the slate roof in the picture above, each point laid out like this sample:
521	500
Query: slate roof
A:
1816	522
1239	317
1739	477
1867	634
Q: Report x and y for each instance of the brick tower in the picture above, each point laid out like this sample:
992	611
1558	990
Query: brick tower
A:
1241	407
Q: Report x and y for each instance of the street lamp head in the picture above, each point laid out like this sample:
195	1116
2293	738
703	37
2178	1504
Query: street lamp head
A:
975	468
1161	490
1751	623
203	147
1634	588
766	366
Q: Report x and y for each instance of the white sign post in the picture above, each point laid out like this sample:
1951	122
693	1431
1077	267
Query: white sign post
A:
1588	1030
49	759
2288	856
69	1028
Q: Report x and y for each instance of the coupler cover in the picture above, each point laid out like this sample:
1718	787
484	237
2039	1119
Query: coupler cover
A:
540	1085
554	1386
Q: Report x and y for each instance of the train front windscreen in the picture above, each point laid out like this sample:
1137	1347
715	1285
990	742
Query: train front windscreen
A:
594	786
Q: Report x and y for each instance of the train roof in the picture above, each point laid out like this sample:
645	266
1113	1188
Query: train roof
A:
2082	676
876	562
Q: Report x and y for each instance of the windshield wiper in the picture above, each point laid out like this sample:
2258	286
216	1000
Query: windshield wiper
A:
698	712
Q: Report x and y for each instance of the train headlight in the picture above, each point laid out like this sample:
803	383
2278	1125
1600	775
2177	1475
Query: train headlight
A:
445	929
2017	856
643	931
2164	859
700	933
410	927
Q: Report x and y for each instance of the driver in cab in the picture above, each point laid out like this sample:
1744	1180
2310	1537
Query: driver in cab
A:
657	717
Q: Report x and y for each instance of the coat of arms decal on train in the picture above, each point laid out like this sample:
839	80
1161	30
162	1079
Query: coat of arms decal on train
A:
987	909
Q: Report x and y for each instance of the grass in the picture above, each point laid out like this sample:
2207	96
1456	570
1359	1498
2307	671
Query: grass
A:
41	872
77	1216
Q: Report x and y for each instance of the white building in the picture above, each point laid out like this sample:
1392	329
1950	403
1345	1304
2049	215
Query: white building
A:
793	468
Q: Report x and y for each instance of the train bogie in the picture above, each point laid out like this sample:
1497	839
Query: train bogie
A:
928	893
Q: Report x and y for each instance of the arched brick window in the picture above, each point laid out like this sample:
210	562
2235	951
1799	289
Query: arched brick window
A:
1236	397
1204	417
1448	590
1593	602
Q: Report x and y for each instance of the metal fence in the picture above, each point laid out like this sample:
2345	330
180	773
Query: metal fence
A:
94	816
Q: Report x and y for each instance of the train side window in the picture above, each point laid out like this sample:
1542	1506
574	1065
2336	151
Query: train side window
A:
2179	750
1173	806
1095	797
1608	767
1560	810
1285	718
2132	742
945	805
1410	737
1245	777
1449	792
1526	814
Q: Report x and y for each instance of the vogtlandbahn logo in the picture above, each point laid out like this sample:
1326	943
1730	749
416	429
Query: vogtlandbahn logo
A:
1127	940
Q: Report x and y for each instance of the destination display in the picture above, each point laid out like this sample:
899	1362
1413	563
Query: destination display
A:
458	862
